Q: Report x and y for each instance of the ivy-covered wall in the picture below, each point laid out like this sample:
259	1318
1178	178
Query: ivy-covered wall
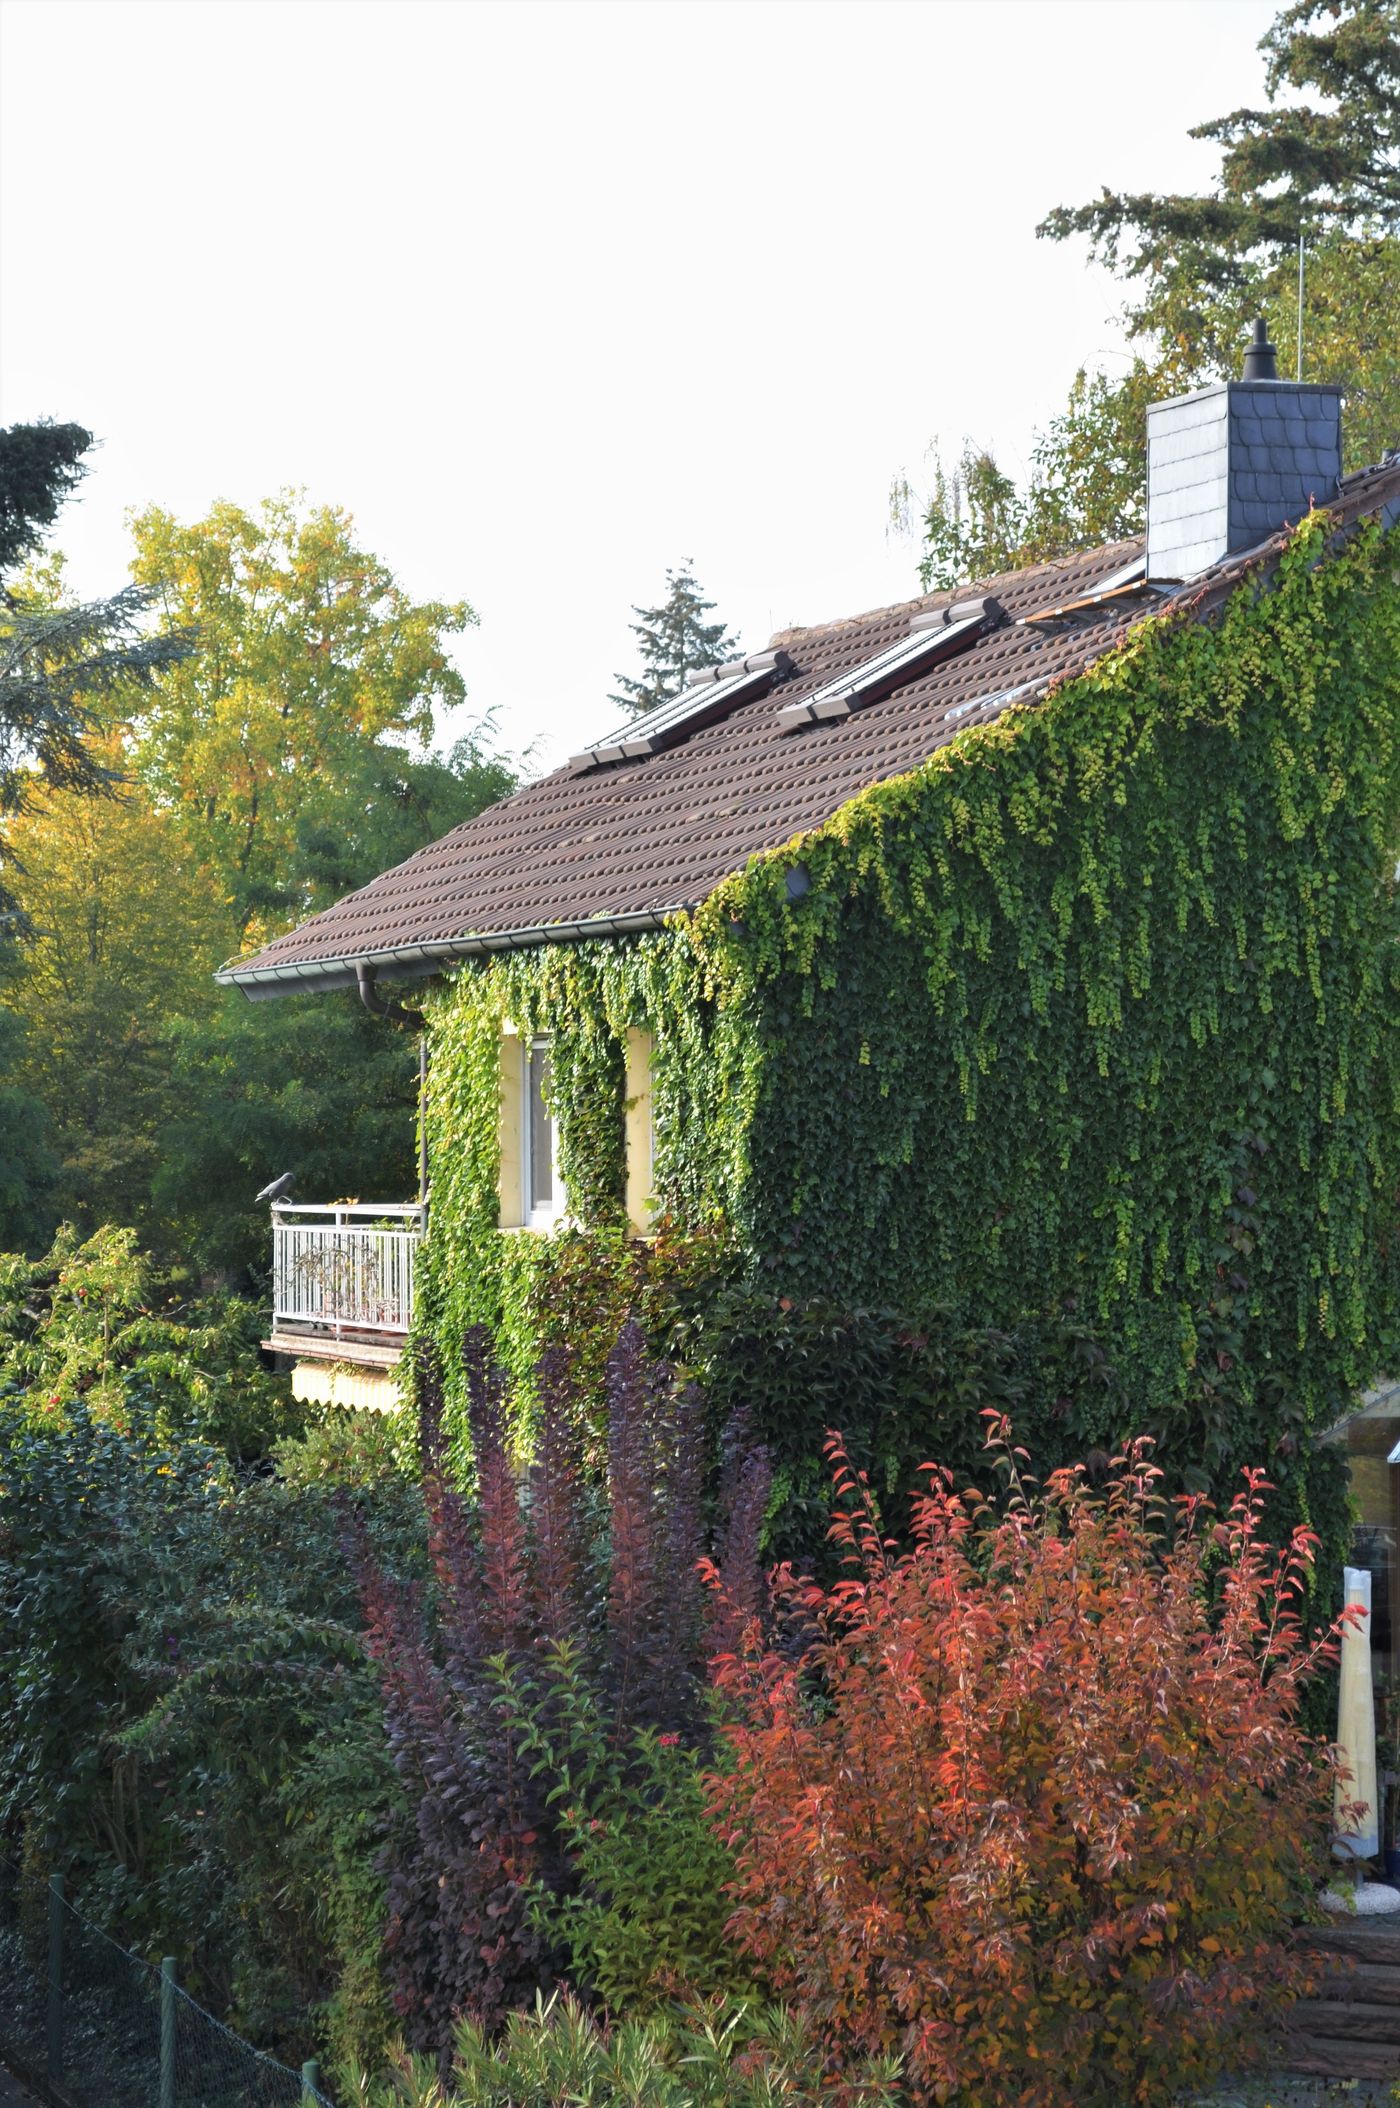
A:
1096	1012
577	1283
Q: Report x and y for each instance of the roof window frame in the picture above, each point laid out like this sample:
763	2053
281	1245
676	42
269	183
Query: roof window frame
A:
707	699
934	636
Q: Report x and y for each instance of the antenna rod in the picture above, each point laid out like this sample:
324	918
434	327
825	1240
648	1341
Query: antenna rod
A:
1299	373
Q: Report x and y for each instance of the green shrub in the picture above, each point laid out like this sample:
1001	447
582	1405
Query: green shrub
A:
262	1723
721	2056
94	1323
643	1920
336	1807
186	1707
343	1446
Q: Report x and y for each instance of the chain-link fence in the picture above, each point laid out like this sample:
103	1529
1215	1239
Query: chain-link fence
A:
95	2027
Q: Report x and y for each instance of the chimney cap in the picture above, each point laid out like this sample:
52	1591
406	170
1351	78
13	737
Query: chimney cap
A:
1260	361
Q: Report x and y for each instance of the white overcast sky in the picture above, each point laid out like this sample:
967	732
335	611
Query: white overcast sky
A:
551	296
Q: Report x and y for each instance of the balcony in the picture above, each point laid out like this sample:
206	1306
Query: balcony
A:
342	1280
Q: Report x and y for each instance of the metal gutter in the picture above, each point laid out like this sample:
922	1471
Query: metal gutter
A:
413	962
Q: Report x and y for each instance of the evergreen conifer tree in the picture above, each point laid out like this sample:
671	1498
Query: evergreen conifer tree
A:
674	640
57	660
1322	160
40	465
1326	168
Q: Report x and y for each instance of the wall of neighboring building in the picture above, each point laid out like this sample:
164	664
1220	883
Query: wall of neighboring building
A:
372	1390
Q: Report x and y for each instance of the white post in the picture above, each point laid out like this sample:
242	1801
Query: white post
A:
1357	1835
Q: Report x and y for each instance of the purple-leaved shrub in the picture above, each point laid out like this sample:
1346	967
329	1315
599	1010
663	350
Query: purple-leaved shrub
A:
564	1645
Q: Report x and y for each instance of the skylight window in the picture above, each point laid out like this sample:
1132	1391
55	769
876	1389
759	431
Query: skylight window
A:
935	635
990	611
708	697
998	701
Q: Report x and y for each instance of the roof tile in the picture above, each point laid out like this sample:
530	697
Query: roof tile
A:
660	832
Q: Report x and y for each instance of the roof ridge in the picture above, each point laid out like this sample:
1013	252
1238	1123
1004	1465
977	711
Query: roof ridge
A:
616	850
947	595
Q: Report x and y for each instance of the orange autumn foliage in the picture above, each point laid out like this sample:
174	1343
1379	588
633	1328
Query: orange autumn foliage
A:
1029	1802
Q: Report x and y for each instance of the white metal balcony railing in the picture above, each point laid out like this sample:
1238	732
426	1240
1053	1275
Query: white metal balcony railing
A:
345	1269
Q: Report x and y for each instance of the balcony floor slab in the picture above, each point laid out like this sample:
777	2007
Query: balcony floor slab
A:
324	1346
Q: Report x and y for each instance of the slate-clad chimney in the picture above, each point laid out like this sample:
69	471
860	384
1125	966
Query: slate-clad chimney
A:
1230	465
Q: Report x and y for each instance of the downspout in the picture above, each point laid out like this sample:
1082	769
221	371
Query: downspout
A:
400	1014
422	1119
375	1003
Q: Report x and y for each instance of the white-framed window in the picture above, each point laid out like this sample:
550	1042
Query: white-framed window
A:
542	1190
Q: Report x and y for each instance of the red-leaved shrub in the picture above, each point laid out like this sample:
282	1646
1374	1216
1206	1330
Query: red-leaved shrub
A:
1028	1802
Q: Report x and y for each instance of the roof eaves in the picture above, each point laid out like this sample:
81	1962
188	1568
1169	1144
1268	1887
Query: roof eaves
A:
413	962
1375	492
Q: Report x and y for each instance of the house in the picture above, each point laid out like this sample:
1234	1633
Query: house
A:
1029	947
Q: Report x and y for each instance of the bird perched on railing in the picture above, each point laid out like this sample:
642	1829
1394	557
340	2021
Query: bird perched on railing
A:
279	1189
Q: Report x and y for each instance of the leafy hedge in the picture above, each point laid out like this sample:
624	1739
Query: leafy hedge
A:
188	1724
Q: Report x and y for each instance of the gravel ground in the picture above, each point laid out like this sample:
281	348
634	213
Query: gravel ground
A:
1283	2092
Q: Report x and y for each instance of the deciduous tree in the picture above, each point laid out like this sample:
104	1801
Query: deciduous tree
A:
281	765
306	718
127	927
58	662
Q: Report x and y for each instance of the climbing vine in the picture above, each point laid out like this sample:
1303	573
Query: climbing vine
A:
1094	1013
577	1283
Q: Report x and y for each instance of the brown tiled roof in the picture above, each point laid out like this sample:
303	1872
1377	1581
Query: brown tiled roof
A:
619	845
